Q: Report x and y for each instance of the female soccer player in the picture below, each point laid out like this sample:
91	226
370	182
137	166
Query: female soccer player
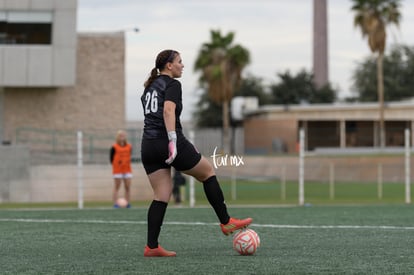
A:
164	145
120	157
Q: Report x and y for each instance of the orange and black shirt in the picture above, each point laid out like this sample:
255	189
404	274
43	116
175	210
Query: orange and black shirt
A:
120	157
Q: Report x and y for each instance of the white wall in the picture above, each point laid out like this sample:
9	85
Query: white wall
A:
42	65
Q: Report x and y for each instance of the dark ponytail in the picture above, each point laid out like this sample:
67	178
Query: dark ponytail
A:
151	78
162	59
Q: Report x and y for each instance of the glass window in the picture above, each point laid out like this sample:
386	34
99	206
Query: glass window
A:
25	27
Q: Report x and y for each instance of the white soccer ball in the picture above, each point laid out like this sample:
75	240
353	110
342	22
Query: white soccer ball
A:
122	202
246	242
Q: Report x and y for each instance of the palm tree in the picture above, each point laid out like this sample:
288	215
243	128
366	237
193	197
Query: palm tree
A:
372	17
221	64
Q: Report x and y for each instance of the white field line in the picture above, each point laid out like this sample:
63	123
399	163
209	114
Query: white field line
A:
277	226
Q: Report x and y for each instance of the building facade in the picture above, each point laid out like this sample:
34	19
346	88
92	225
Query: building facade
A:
325	125
51	77
38	43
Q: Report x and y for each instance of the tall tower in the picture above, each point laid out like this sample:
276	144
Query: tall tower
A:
320	43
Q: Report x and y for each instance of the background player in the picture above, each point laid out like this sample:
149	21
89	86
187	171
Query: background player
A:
120	157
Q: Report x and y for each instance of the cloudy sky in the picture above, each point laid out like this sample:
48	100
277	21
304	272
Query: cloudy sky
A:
277	33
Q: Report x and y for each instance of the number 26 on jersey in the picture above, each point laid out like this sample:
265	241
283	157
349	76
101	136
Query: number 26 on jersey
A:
151	102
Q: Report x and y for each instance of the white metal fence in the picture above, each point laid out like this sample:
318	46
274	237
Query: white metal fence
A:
74	166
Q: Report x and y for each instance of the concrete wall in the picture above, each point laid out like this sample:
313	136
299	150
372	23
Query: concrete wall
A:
50	183
14	174
264	136
20	182
42	65
96	102
59	183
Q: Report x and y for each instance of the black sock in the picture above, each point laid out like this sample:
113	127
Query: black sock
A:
155	217
216	199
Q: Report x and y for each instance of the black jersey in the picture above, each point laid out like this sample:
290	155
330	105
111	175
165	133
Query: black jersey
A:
161	89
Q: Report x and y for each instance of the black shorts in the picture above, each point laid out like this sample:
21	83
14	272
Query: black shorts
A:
154	152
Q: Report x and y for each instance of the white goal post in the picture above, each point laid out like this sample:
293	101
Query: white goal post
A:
407	167
407	154
80	171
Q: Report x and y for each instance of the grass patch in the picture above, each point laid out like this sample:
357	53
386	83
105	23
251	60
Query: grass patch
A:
320	240
271	192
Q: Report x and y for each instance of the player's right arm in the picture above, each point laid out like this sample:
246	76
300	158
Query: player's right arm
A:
111	154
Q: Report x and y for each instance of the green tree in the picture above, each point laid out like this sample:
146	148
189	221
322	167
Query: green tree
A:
300	88
221	63
398	76
253	86
372	17
208	113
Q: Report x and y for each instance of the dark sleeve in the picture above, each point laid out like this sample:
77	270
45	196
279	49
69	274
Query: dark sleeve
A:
131	154
173	92
111	154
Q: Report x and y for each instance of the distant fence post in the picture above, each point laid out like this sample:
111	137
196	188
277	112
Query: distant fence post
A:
233	184
283	183
80	172
192	188
407	167
301	166
379	181
331	181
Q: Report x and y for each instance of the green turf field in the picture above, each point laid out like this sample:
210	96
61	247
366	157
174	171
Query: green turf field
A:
271	192
295	240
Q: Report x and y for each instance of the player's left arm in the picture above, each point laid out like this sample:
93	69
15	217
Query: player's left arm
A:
169	115
169	120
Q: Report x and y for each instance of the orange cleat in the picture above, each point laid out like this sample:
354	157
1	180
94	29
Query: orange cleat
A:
235	224
158	252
